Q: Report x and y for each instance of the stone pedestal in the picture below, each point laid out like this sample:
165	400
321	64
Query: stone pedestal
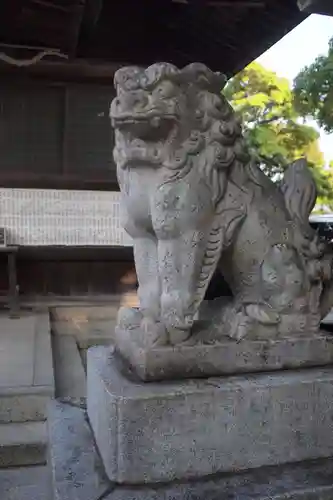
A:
162	432
201	356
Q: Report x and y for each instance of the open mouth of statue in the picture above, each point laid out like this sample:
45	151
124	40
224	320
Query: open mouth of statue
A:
151	128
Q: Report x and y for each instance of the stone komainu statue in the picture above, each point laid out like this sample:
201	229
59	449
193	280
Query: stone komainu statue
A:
194	202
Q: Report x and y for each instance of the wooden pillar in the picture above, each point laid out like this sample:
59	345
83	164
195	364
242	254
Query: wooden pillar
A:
316	6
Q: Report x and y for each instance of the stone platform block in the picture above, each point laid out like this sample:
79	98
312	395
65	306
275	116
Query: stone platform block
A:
305	481
202	357
23	444
160	432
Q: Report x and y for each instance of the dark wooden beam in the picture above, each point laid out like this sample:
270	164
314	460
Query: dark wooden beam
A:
316	6
34	181
235	4
50	23
77	253
77	70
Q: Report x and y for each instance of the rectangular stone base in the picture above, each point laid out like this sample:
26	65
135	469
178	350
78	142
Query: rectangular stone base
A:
200	357
160	432
305	481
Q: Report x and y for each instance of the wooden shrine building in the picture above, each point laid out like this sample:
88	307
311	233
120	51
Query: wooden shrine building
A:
59	199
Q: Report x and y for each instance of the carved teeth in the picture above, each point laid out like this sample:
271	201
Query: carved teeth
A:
155	122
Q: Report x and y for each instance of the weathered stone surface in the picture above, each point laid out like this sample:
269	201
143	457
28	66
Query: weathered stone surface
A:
194	201
198	357
69	371
176	430
23	444
305	481
77	470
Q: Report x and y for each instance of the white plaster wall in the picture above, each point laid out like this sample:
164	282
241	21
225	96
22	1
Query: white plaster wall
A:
61	217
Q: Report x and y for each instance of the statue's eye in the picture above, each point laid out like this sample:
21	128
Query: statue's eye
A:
165	91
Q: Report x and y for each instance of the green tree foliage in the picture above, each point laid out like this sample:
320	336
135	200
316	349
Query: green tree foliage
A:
313	89
272	126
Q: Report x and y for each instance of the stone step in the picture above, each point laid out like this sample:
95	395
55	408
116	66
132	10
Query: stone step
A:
77	471
70	377
23	444
26	368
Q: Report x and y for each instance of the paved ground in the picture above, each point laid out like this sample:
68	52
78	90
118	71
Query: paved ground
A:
26	483
17	350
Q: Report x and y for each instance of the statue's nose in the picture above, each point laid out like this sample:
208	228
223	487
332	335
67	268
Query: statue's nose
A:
132	100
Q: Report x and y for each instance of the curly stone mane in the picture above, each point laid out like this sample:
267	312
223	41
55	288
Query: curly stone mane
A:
215	143
206	140
214	149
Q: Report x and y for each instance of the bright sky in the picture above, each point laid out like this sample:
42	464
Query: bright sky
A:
298	49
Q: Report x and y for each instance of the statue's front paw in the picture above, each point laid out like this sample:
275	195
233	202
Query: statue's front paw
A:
178	336
176	316
239	327
154	333
129	318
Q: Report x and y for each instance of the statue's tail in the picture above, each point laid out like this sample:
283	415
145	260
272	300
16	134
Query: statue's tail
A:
326	300
300	194
299	191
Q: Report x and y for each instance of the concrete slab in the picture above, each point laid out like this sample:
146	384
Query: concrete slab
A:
17	351
84	313
26	368
77	470
90	324
70	376
94	332
23	444
158	432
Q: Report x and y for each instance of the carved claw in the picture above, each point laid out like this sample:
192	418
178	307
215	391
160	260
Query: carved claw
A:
154	333
129	318
177	336
263	314
238	327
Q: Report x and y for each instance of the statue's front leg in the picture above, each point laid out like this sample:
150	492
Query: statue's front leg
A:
146	263
179	267
181	219
149	289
